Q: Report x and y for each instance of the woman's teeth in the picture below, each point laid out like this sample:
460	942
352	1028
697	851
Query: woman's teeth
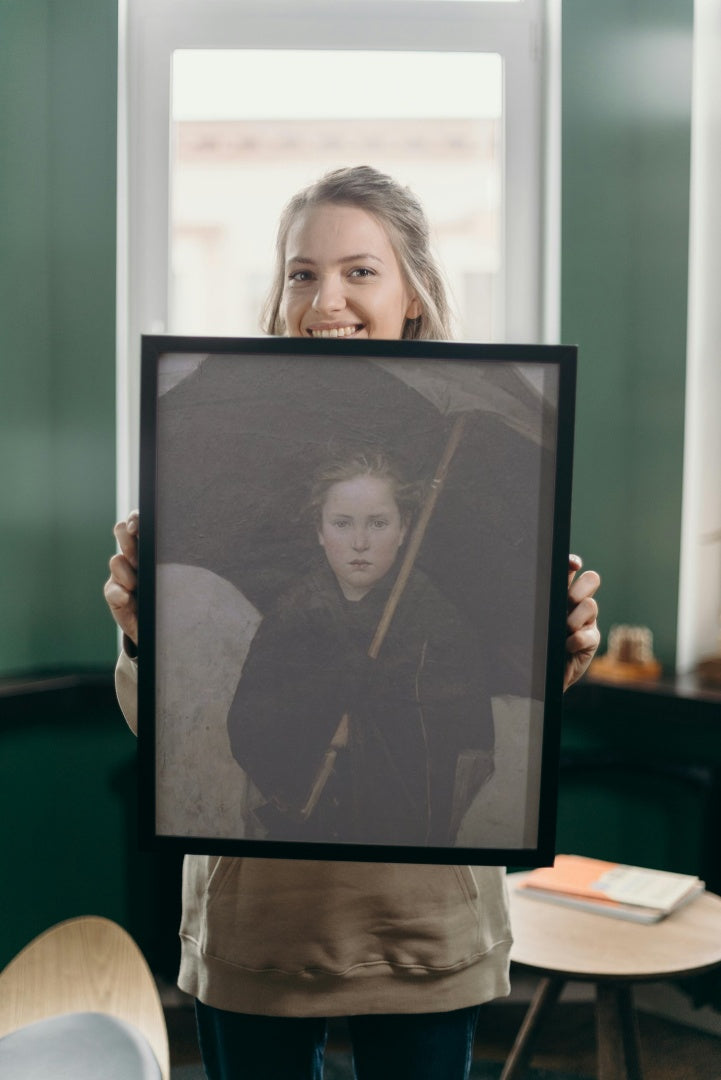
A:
337	331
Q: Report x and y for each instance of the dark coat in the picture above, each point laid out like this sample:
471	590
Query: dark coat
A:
420	722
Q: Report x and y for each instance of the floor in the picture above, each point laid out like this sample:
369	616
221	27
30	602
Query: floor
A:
670	1051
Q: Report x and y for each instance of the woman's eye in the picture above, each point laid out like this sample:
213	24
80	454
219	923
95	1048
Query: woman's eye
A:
379	523
300	276
362	272
343	524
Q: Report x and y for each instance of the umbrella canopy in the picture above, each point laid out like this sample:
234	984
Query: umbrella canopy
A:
238	438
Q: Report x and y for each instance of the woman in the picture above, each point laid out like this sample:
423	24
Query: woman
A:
271	948
403	730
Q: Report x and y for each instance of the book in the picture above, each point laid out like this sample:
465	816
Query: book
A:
608	888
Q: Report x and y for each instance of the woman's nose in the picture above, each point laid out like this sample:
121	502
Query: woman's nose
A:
329	295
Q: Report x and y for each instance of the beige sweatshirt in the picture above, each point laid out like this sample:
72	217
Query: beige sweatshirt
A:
288	937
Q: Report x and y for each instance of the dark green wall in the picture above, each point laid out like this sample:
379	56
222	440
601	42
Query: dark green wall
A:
626	145
66	760
69	810
641	778
58	75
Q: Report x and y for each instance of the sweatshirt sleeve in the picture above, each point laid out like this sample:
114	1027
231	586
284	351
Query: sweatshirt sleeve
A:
126	688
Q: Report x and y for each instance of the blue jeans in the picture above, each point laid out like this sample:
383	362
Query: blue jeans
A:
415	1046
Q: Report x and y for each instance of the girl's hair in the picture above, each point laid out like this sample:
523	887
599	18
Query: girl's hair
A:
347	465
402	216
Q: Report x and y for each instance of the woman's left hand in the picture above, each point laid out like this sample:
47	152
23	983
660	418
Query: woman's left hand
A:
583	635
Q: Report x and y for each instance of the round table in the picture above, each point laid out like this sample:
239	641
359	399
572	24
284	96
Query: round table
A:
562	944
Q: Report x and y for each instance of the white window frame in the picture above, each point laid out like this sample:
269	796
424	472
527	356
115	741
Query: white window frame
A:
526	34
699	597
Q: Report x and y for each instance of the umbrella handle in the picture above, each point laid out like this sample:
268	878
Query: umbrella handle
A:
417	536
339	740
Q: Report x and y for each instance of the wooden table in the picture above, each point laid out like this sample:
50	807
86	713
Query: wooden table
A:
563	944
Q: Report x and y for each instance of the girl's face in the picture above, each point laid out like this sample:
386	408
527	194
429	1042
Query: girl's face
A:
342	277
361	531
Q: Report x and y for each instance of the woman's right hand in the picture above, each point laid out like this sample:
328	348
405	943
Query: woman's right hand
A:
121	587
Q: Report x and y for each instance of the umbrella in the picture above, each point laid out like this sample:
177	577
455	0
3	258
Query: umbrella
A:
238	438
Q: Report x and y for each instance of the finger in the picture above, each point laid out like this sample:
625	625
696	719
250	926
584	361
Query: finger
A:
126	534
123	608
583	641
118	598
123	573
575	562
585	585
582	614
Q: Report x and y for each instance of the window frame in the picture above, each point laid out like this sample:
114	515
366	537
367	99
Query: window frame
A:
526	34
699	595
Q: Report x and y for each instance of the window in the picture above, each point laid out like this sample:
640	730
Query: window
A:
227	107
235	161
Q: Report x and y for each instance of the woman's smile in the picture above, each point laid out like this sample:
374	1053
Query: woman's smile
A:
334	331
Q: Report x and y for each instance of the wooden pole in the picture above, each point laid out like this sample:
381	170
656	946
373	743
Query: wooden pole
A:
417	536
338	742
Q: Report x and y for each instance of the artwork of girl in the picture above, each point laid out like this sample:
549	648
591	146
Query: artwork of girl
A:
345	747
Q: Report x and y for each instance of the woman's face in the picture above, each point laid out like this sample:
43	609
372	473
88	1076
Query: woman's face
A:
361	531
342	277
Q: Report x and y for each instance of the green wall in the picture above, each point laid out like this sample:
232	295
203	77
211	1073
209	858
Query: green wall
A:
66	758
58	75
625	200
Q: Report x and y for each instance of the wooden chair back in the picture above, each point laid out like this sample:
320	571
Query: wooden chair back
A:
87	964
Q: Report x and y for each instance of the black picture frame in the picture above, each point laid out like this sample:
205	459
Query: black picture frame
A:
231	431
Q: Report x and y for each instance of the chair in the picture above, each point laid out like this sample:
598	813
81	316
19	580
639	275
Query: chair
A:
80	1001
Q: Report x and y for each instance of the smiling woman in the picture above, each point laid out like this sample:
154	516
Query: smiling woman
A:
350	287
353	259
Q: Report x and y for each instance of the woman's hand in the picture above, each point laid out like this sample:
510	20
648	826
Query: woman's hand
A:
583	635
121	587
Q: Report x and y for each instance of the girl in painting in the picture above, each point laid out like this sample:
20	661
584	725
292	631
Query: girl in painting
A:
346	747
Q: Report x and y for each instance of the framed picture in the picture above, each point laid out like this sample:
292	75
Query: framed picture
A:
352	597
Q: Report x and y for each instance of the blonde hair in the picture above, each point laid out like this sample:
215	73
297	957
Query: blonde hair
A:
402	216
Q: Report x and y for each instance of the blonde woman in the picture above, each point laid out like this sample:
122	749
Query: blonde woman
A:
272	948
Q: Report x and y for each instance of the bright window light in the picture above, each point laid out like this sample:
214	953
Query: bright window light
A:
238	155
220	84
